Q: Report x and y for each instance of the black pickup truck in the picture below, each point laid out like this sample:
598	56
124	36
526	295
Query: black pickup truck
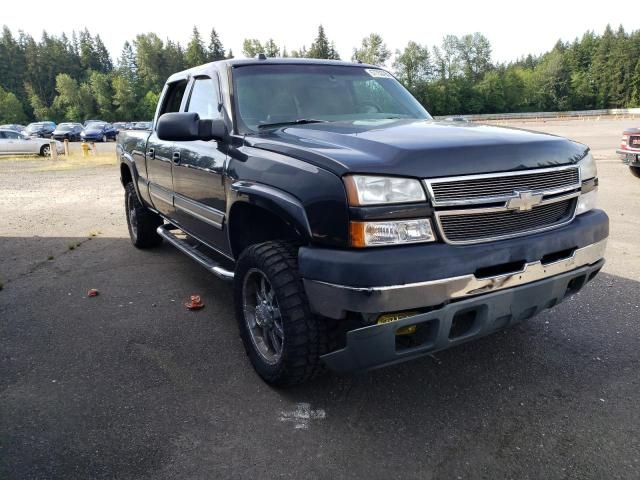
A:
358	231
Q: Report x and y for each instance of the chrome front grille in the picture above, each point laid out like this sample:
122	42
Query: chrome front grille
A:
483	226
481	208
497	187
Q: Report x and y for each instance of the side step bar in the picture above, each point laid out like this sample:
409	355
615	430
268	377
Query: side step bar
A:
194	253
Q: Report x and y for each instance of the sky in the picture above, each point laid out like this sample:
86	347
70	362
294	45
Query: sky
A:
514	28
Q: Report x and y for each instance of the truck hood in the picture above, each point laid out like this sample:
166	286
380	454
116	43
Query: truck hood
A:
418	148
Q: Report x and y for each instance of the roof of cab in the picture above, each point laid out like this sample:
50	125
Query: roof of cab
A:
213	66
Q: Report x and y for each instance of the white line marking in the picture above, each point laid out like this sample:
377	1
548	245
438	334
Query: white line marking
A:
301	417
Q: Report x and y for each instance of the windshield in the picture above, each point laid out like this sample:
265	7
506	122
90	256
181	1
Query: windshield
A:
95	126
65	128
35	126
268	94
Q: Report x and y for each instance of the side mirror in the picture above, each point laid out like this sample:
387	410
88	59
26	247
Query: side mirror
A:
188	126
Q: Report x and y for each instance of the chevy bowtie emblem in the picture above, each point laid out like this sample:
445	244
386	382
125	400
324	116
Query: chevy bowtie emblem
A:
524	201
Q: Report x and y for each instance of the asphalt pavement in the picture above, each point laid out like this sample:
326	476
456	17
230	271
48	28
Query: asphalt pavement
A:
130	384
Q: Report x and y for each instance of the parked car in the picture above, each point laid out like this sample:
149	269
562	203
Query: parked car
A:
141	126
16	143
87	122
40	129
629	150
358	232
457	119
121	126
98	132
14	126
68	131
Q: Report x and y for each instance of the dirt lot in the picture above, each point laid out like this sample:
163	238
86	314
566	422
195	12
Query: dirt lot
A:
131	385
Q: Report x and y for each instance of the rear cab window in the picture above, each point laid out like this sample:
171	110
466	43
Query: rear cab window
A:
173	97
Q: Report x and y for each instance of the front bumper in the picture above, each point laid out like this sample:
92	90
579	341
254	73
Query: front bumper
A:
458	322
630	157
402	278
332	300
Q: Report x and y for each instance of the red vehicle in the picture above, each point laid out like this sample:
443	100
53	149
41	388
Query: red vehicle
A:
630	150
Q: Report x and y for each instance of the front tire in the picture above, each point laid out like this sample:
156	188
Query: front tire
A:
283	339
141	222
45	151
635	171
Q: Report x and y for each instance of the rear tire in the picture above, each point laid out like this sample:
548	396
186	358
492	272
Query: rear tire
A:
283	339
141	222
635	171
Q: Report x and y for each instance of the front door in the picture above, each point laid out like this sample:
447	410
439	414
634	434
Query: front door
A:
159	154
200	201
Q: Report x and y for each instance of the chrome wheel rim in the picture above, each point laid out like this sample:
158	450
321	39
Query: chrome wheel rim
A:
133	218
262	316
46	151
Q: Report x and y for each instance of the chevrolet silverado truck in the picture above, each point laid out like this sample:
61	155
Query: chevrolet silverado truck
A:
629	150
357	231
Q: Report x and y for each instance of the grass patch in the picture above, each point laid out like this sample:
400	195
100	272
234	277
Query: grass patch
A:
71	162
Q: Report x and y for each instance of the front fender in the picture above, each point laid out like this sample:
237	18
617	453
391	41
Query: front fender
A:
127	162
272	199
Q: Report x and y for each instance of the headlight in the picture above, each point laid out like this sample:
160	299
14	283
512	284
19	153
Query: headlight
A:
371	234
588	167
589	175
370	190
587	201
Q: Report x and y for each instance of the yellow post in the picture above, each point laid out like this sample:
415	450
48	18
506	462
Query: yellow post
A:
85	148
66	147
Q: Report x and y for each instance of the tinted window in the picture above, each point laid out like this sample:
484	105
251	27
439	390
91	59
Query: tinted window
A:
204	98
173	97
11	135
282	93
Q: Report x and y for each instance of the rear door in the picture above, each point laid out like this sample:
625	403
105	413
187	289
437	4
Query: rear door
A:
200	200
14	143
4	143
159	152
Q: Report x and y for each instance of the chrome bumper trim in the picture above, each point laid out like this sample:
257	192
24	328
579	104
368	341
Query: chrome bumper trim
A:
334	300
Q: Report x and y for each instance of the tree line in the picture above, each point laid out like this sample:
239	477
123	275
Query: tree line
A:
73	78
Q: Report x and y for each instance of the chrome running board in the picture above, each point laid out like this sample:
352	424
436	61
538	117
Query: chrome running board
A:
195	254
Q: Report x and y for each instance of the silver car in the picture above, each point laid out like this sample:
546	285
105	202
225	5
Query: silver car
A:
17	143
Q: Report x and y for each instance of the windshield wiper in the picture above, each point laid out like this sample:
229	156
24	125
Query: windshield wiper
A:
299	121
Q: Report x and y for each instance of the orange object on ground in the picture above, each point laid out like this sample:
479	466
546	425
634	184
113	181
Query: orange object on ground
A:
92	293
195	303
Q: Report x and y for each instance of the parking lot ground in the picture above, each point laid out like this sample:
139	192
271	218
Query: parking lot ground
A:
129	384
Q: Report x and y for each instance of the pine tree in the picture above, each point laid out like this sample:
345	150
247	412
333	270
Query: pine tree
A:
320	47
103	58
215	50
195	54
271	49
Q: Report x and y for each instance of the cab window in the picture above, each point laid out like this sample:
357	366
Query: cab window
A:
204	98
173	97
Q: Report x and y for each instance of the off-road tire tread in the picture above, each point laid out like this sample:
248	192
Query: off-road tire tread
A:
148	221
306	335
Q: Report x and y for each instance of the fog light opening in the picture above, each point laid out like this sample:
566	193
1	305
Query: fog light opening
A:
462	324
